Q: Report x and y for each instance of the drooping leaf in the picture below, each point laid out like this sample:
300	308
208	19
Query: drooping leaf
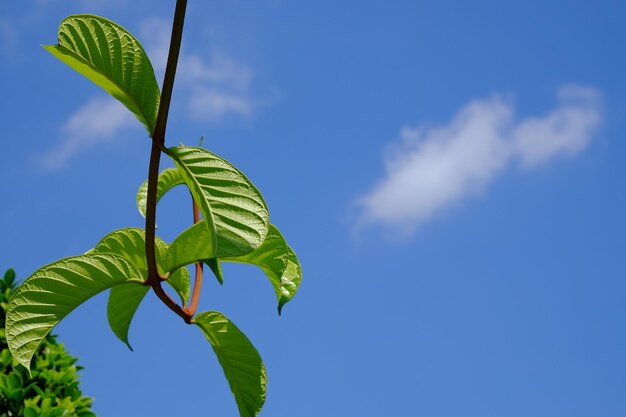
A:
233	210
125	299
240	361
168	179
123	303
291	279
108	55
280	264
274	257
53	291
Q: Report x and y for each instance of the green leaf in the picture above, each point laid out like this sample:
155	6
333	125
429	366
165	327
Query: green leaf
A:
216	268
168	179
130	244
274	257
191	246
123	303
112	58
240	361
30	412
125	299
180	281
234	211
280	264
9	277
52	292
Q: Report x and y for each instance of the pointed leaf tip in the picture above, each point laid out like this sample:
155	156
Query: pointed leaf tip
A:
280	264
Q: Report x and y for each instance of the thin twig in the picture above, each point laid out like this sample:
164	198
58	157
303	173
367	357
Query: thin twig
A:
167	300
197	284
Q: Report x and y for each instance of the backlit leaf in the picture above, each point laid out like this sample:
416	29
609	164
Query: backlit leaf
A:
233	210
274	257
108	55
53	291
168	179
214	264
240	361
125	299
130	244
280	264
122	305
195	244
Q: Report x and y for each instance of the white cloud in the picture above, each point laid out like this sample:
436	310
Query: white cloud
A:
213	105
568	129
99	121
212	88
434	167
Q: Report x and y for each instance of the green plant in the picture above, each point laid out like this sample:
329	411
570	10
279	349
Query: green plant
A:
51	389
234	226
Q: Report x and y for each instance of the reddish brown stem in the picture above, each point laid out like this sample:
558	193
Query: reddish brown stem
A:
197	284
167	300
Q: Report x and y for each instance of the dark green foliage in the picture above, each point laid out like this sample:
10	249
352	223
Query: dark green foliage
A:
52	390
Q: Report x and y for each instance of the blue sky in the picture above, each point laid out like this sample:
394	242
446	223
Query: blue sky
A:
450	174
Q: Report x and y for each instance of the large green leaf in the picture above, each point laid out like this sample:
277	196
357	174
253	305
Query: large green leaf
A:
274	257
112	58
280	264
241	362
53	291
233	210
125	299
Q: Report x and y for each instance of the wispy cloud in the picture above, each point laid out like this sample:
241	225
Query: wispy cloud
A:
98	121
213	88
435	167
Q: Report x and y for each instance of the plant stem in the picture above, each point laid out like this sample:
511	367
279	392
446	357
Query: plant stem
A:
197	284
167	300
158	139
158	143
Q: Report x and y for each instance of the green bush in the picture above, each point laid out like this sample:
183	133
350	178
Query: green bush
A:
52	388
